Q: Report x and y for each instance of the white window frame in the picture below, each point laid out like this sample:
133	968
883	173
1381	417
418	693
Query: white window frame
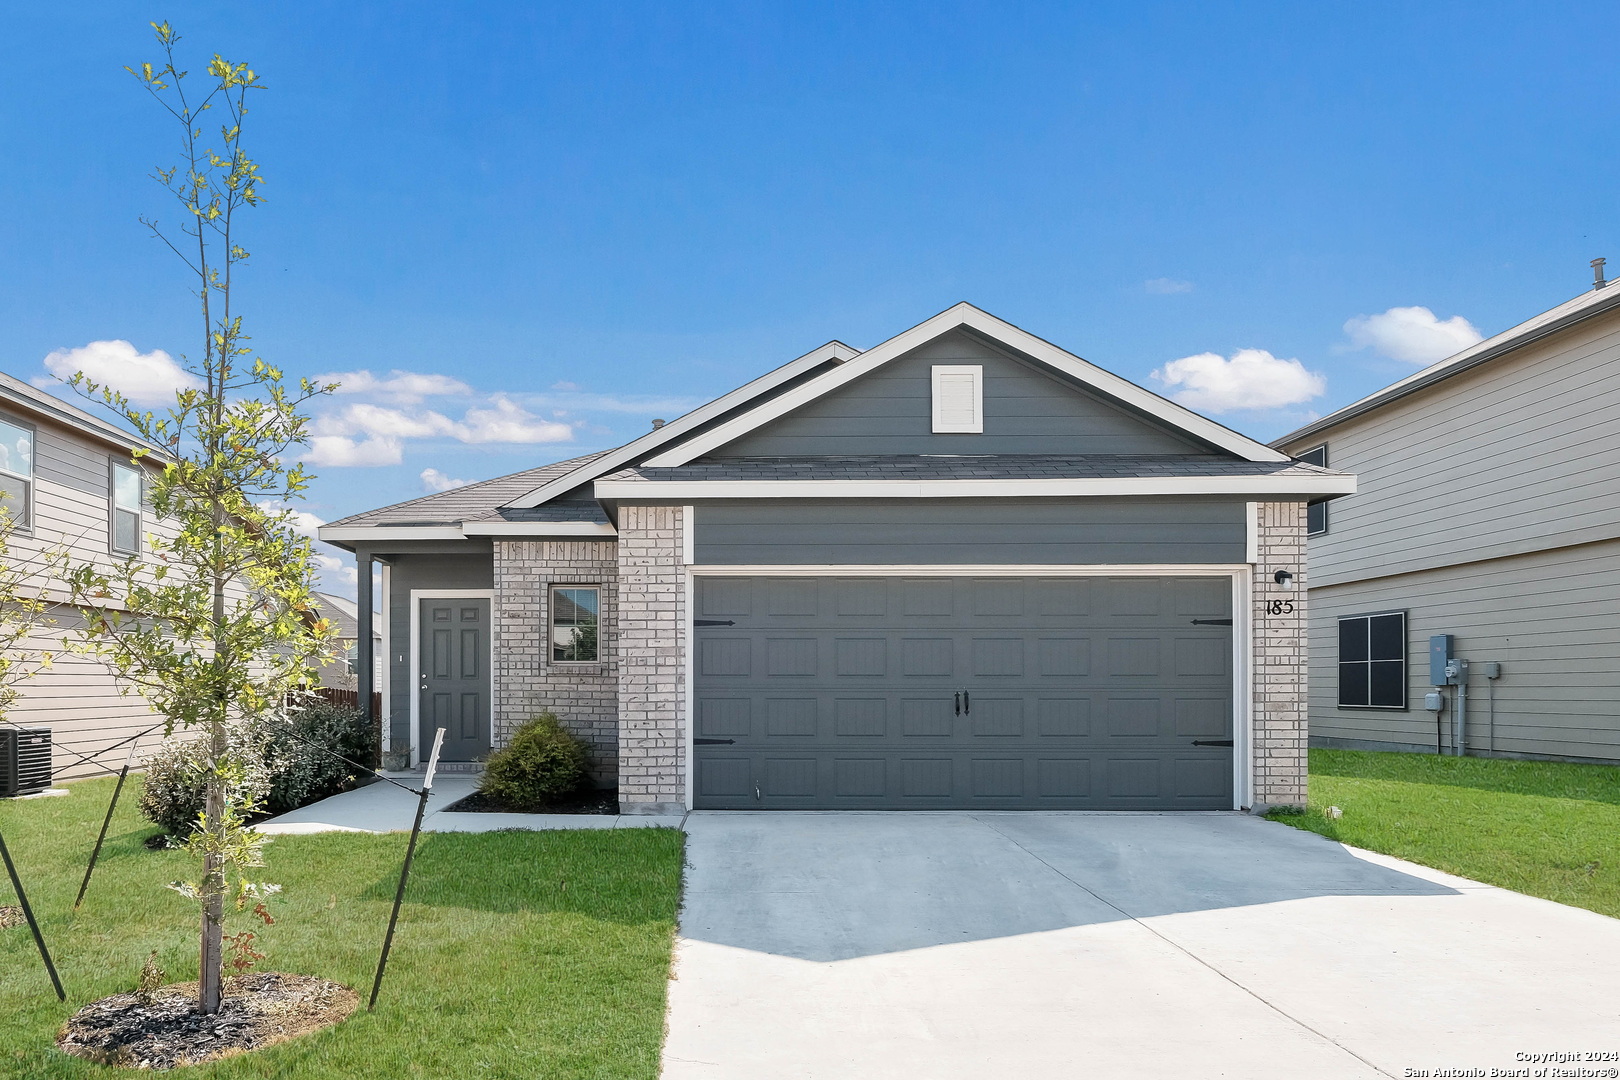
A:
976	426
113	465
26	525
551	625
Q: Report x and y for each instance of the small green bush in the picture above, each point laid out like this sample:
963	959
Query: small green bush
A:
301	774
540	765
172	795
283	767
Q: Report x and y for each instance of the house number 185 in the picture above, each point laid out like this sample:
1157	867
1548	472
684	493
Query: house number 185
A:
1279	607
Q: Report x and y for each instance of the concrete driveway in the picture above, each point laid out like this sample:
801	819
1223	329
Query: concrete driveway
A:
920	946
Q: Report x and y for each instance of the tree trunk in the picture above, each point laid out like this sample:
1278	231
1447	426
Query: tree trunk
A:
210	970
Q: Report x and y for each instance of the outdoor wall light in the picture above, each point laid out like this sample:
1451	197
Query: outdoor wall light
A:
1284	579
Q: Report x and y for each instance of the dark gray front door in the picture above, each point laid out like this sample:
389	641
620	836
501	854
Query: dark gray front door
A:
942	693
454	667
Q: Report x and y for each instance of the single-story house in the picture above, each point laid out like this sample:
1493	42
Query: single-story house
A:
962	568
1488	516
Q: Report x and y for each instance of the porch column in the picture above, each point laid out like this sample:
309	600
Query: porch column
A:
365	658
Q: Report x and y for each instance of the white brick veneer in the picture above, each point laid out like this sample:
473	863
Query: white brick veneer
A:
1280	670
584	697
651	660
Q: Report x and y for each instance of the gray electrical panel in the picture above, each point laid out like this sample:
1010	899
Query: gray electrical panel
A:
1439	657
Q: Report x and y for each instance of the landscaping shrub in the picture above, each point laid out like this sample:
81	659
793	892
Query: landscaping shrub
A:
301	774
172	795
541	764
284	770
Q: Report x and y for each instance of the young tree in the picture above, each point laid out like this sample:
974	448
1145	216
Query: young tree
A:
217	627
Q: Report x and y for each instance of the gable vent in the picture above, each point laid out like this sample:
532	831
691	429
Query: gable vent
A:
959	398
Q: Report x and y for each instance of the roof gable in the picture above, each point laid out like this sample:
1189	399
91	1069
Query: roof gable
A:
1027	409
1120	394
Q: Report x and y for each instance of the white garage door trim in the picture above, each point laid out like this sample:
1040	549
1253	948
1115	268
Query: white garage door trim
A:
1242	652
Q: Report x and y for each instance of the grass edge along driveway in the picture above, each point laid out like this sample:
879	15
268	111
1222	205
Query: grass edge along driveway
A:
1545	828
520	955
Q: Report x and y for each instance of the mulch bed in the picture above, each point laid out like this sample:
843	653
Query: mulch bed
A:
589	801
10	915
257	1010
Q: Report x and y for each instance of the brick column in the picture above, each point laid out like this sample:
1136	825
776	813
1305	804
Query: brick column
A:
1280	669
652	655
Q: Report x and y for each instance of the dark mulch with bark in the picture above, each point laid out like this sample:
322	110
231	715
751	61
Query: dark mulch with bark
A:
258	1009
588	801
10	915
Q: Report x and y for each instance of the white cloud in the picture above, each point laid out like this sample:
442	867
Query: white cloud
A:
565	385
147	379
1164	286
507	421
302	521
400	387
434	480
1412	334
1251	379
340	451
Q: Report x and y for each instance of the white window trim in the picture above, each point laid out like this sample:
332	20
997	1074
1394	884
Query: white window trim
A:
1242	578
26	527
417	596
601	637
976	425
113	465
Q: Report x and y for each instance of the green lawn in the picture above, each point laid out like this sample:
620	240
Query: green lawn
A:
1545	828
519	955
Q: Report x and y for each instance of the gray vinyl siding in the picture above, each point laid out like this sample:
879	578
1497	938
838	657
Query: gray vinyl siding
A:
425	571
1552	619
1025	412
968	531
1518	455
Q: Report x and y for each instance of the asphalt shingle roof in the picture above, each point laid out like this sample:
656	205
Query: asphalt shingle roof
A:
483	501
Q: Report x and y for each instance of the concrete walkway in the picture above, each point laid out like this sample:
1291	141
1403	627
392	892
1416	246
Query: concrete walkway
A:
944	946
382	807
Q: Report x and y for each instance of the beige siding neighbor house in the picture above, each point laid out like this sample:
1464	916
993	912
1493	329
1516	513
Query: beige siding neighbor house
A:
68	475
1488	509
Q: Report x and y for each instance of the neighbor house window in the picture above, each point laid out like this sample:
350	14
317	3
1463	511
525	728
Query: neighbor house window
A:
575	618
1372	661
17	472
126	509
959	398
1315	513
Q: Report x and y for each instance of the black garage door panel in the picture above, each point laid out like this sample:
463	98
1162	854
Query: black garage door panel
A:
933	693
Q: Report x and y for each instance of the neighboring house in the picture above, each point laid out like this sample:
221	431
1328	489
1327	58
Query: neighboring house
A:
1488	509
68	476
964	568
341	670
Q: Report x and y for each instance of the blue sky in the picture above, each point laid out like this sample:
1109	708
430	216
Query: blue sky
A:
565	220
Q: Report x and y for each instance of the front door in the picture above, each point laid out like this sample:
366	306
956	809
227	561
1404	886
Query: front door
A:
454	686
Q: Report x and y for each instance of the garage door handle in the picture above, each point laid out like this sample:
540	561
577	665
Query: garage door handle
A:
967	702
958	697
1212	622
713	622
713	742
1196	742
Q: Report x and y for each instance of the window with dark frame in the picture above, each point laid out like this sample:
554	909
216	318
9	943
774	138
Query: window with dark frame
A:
17	472
575	622
1316	514
1372	661
127	499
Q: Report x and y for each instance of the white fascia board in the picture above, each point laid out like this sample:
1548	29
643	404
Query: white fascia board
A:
965	314
1272	487
539	528
628	453
385	532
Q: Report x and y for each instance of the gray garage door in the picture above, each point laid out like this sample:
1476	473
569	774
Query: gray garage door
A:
940	693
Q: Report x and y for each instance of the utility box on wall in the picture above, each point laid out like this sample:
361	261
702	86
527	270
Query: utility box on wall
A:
1439	656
